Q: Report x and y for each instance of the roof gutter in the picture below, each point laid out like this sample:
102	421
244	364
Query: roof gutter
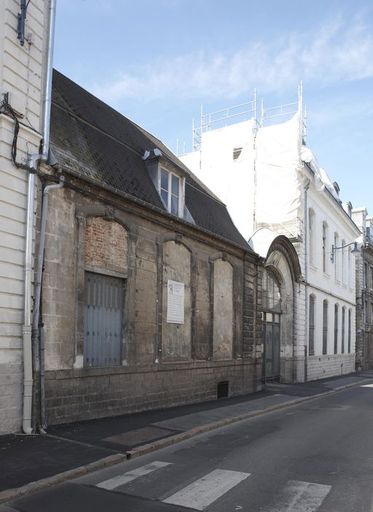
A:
33	162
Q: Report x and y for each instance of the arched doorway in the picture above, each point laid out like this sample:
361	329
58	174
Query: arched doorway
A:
271	297
281	285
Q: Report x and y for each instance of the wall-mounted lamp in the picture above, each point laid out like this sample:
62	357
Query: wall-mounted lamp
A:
21	21
355	250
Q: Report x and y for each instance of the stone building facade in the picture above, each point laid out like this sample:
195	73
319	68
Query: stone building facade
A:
142	306
364	291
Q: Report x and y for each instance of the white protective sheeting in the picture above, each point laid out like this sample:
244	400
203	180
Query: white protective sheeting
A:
261	241
322	180
225	165
278	192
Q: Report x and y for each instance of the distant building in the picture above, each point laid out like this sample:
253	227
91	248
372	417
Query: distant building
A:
271	181
364	291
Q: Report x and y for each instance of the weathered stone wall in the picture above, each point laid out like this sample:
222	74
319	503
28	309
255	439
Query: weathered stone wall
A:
223	314
163	364
176	337
320	367
364	308
106	245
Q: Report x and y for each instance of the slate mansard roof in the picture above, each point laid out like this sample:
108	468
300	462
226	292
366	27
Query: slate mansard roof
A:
91	139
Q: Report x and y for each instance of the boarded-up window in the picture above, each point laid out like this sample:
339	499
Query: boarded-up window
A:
103	320
176	324
223	310
106	256
106	245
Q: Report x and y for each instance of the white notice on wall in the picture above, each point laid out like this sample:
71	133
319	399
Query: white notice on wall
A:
175	302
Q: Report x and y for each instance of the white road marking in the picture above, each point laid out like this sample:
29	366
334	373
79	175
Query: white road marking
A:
300	497
123	479
367	386
202	492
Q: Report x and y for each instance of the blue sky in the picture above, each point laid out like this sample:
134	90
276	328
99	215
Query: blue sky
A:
157	61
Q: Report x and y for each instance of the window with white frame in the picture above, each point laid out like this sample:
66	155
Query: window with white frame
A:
335	328
311	231
171	191
343	330
324	243
343	251
349	269
336	257
325	327
311	327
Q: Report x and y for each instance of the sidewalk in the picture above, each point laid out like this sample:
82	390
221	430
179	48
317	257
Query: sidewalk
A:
29	463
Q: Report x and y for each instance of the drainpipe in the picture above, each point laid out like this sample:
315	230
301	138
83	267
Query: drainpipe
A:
33	163
305	224
26	330
38	282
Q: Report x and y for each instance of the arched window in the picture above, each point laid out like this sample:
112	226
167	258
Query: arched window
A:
311	233
343	330
336	329
271	292
349	270
311	327
324	244
106	270
336	257
325	327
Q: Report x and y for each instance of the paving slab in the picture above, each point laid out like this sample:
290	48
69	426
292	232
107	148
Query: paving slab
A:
191	421
26	459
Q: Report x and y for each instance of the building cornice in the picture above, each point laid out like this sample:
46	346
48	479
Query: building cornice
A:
138	207
333	202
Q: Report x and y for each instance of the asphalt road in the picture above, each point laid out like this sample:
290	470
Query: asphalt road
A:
317	456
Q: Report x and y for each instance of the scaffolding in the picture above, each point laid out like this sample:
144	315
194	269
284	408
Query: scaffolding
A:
285	110
244	112
222	118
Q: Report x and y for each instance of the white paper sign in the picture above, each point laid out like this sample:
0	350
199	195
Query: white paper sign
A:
175	302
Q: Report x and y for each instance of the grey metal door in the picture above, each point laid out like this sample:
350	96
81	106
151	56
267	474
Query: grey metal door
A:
103	320
271	346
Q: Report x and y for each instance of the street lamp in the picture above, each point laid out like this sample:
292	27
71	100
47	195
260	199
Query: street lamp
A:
355	250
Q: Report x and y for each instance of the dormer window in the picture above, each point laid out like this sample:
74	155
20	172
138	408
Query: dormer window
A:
170	188
236	153
170	185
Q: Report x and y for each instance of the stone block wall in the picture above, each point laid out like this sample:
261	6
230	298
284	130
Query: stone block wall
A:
77	395
319	367
163	364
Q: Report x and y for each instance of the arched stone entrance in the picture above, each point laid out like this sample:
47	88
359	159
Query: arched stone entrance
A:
281	273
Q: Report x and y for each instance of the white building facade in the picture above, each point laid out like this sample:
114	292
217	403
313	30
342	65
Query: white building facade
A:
273	185
22	73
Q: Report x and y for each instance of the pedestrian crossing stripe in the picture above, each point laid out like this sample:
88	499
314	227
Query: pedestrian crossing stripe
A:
299	496
296	496
201	493
125	478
